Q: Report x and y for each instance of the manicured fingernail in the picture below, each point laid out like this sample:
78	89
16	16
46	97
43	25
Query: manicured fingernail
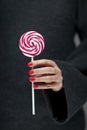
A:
30	72
31	79
35	86
30	64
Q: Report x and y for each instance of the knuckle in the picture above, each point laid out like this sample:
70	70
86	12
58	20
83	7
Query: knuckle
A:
53	63
61	78
55	70
60	71
56	78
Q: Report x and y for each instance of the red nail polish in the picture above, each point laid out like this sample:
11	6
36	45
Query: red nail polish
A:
30	64
31	79
30	72
35	86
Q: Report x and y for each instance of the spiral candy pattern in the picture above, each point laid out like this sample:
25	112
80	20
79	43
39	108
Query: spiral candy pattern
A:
31	43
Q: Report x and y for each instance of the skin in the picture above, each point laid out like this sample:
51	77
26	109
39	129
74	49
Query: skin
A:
48	72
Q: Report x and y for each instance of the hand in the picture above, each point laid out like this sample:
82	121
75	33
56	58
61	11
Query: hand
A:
47	76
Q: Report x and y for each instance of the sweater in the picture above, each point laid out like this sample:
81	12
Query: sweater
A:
57	21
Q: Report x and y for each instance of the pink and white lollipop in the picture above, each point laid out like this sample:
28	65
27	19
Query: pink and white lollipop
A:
32	44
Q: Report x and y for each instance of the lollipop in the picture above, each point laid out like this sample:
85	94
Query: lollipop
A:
31	44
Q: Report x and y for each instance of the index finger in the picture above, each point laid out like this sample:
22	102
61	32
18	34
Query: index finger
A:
43	62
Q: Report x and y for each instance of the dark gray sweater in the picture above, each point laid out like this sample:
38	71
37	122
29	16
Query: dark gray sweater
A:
57	21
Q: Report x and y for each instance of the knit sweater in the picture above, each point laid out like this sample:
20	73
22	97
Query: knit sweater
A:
57	21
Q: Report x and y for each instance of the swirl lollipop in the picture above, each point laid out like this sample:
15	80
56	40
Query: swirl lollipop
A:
31	44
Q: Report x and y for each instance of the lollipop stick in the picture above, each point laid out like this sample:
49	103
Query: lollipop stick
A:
33	94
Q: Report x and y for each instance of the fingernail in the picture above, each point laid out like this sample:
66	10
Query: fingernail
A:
30	72
30	64
31	79
35	86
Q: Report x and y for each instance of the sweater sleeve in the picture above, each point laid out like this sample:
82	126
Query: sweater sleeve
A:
65	103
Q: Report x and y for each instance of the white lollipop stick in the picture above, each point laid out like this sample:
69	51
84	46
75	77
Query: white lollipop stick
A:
33	94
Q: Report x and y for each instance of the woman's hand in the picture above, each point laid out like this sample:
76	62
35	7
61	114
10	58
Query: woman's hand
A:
47	76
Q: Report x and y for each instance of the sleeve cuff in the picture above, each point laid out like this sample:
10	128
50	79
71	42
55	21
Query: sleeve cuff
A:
65	103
